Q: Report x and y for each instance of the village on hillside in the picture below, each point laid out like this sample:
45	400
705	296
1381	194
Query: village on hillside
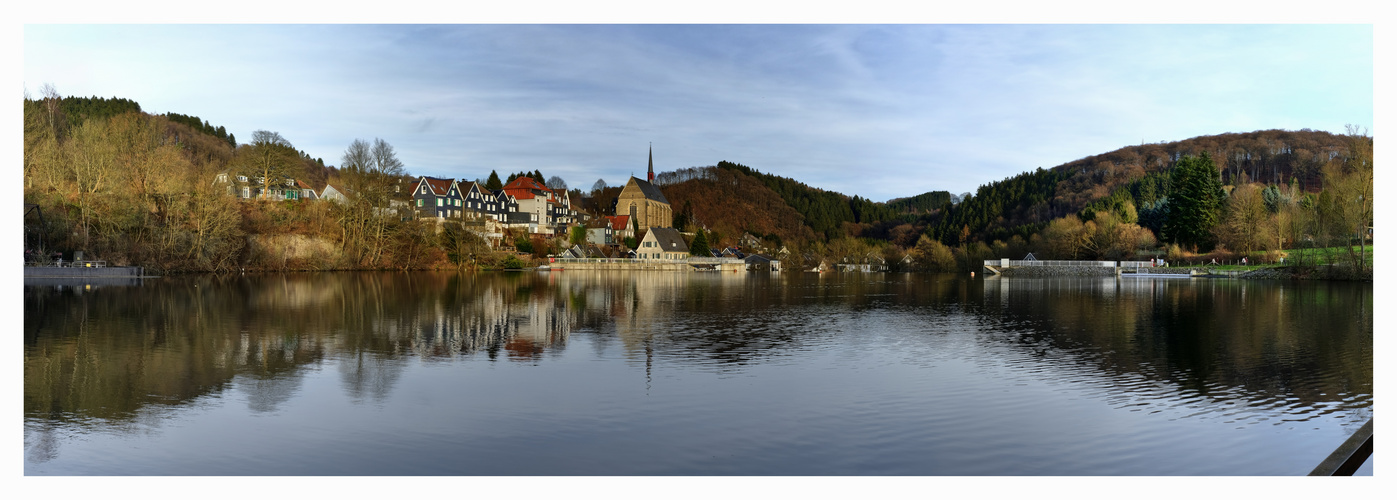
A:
637	226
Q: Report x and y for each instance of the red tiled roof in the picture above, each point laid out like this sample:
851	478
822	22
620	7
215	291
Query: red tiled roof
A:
619	222
525	183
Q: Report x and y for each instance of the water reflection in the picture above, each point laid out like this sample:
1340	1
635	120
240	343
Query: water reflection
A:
1285	348
1237	352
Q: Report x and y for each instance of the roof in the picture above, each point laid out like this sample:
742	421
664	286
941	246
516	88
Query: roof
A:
650	191
525	183
619	222
524	188
439	186
331	187
669	239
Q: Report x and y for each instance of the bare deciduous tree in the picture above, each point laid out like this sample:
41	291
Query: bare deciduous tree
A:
269	159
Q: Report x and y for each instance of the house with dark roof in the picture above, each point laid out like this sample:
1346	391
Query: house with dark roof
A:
663	243
476	201
759	262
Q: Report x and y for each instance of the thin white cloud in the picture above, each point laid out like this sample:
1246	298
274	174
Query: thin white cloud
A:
878	111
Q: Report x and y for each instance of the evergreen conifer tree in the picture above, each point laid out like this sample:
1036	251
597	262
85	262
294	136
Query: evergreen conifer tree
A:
1195	198
699	246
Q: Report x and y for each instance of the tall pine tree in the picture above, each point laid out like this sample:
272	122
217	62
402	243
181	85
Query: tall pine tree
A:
1195	197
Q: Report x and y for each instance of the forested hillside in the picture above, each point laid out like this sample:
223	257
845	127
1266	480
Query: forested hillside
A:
1235	193
729	203
924	203
1023	204
825	212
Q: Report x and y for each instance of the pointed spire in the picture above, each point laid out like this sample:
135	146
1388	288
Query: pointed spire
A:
650	177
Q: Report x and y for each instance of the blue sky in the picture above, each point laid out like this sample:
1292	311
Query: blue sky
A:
879	111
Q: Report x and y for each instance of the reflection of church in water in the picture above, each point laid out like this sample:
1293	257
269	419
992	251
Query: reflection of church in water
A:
528	317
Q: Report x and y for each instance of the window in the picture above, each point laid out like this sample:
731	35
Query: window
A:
439	202
419	203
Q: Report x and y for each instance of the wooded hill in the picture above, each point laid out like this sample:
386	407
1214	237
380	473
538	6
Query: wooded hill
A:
1024	204
1021	205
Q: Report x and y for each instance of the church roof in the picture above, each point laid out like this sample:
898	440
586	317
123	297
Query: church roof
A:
650	191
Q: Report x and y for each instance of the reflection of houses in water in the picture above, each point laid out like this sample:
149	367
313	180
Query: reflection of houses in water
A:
490	315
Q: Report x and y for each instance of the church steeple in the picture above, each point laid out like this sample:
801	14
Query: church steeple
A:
650	177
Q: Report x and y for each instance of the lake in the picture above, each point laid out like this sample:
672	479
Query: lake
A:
593	373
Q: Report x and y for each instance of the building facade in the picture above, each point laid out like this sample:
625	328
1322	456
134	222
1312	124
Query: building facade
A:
643	202
663	243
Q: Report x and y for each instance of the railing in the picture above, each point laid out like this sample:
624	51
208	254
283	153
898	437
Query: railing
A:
1053	263
1349	456
1132	264
714	260
690	260
607	260
79	263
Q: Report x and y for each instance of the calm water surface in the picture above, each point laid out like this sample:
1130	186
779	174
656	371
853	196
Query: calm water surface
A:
576	373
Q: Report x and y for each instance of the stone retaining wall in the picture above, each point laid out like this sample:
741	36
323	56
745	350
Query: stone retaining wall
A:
1034	271
82	272
1168	270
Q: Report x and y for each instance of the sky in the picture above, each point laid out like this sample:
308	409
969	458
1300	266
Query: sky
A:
879	111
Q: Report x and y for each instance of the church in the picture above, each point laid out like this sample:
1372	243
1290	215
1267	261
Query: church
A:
644	202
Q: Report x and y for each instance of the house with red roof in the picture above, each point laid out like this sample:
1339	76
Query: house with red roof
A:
440	198
620	226
548	211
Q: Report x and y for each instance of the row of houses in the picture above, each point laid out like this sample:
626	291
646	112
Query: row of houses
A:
524	204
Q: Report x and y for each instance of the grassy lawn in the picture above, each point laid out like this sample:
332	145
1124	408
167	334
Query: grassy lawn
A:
1311	256
1327	255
